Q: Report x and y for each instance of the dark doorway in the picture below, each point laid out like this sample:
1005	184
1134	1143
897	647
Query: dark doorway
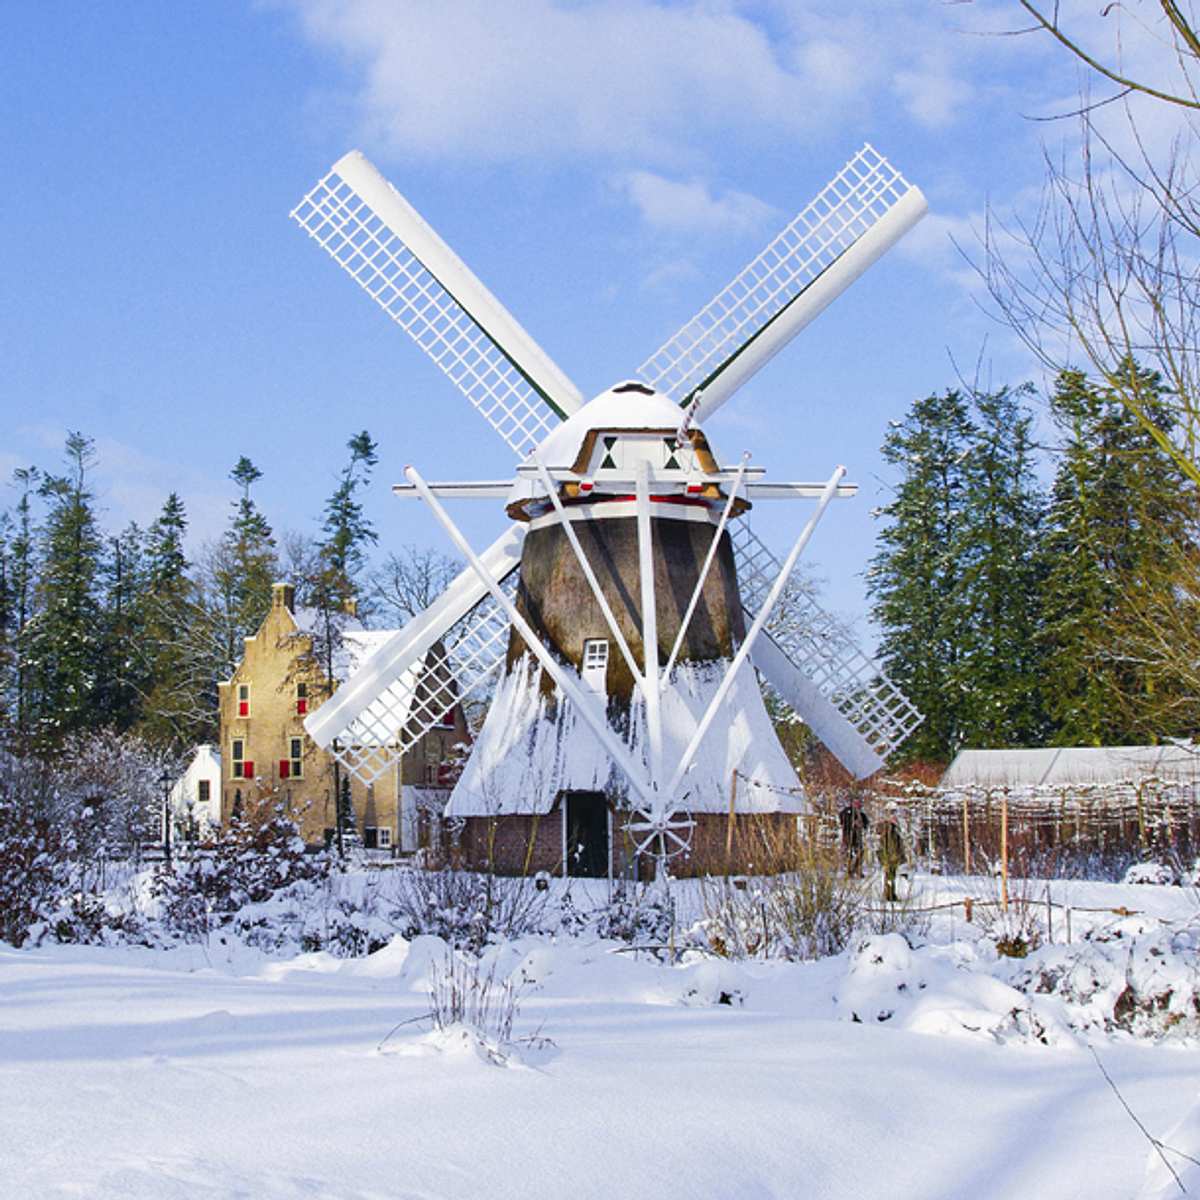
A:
587	834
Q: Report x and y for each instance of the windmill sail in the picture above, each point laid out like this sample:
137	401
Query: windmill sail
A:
859	215
410	682
385	246
808	658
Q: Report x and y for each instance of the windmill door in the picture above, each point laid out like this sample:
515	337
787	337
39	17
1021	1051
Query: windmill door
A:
586	820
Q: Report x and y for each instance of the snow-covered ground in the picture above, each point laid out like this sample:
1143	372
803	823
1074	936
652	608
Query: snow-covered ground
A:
218	1072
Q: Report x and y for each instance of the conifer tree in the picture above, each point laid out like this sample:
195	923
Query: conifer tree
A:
64	636
124	673
914	578
998	650
21	585
1120	511
245	566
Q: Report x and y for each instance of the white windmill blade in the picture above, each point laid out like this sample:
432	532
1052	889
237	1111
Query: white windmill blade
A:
383	243
410	682
808	657
856	218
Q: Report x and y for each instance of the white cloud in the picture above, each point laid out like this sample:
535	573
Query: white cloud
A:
690	207
641	79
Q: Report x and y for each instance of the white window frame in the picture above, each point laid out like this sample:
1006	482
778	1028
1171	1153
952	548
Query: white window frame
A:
593	665
237	761
383	837
243	697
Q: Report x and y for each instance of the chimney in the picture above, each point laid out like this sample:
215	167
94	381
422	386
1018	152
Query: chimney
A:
283	595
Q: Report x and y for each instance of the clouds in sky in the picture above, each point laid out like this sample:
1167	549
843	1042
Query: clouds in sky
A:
633	79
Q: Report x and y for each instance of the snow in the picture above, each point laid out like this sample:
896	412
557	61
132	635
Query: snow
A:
215	1071
613	411
520	761
1072	766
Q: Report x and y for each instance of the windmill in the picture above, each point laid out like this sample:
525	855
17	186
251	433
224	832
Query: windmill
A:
624	524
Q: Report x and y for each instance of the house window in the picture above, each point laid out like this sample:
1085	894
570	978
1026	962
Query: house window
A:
203	791
301	699
243	700
383	837
595	664
243	768
292	767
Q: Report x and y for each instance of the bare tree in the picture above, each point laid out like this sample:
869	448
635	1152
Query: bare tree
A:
408	581
1105	275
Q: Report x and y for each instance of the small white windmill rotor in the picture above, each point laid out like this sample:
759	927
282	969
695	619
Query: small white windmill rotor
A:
804	654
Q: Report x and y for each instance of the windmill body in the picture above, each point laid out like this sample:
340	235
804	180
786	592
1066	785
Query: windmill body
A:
534	749
622	616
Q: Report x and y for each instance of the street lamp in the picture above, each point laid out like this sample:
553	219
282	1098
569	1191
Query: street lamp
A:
164	781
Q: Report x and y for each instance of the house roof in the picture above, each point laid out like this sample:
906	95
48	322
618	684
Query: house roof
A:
1073	766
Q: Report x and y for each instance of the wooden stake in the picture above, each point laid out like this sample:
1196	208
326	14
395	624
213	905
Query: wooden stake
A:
729	828
966	837
1004	850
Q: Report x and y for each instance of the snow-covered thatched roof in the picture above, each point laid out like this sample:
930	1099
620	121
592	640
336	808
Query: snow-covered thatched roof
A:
1073	766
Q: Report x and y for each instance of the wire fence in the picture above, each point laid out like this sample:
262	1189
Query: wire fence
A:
1071	831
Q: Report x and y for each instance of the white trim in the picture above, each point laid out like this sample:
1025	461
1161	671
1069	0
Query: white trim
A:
611	509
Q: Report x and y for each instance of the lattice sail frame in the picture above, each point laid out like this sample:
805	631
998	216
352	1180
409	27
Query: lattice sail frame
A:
470	653
819	647
353	234
857	198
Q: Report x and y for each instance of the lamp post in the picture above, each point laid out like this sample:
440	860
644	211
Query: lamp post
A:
165	783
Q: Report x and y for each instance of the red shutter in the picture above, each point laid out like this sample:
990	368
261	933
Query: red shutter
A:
285	768
248	769
243	708
301	706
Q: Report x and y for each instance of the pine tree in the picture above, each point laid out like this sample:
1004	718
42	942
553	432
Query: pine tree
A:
246	566
1120	512
21	585
124	675
913	579
180	707
63	645
333	592
998	651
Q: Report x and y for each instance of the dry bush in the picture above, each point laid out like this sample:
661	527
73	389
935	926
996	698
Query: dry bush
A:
463	993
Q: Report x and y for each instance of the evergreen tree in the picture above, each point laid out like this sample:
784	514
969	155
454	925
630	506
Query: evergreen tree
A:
1120	511
333	592
246	566
998	650
64	637
124	676
180	706
21	574
914	578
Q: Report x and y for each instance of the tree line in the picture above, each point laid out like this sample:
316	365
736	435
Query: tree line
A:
127	632
1020	613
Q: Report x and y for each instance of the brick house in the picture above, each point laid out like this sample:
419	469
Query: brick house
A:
265	751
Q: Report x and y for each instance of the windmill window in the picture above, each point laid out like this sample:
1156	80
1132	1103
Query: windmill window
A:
608	461
446	721
238	756
383	837
243	700
203	791
595	664
301	699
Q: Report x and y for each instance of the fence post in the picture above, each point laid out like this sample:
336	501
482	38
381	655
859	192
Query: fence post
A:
729	827
966	837
1004	850
1049	915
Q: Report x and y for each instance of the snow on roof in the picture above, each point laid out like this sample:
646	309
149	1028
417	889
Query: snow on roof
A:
523	758
1073	766
613	409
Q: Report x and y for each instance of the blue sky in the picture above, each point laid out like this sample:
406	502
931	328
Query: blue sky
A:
603	165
